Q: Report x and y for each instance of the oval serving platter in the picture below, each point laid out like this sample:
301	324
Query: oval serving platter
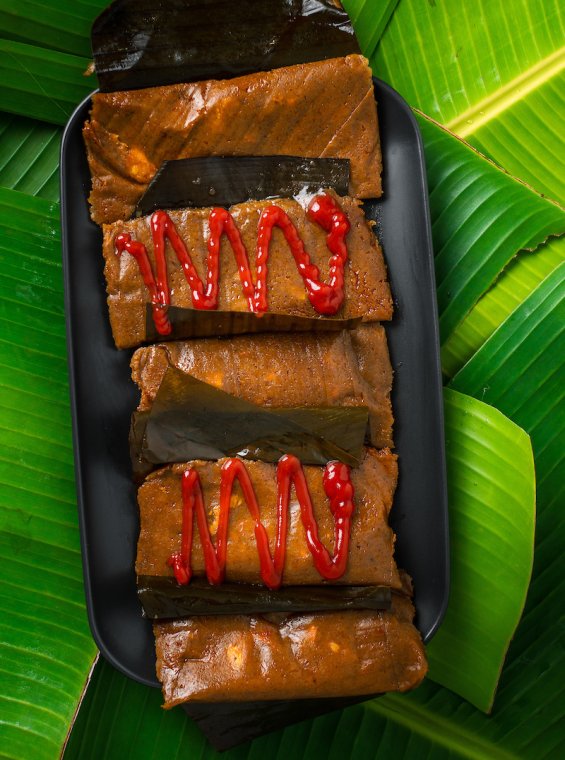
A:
103	397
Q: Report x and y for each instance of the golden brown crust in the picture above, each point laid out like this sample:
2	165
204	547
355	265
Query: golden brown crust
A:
372	541
325	108
234	658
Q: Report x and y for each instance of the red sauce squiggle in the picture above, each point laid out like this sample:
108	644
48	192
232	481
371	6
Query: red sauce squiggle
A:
337	486
326	298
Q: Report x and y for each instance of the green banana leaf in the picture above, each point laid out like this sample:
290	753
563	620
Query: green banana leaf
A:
520	278
40	83
30	156
520	370
439	64
492	537
490	72
47	650
369	20
64	27
481	218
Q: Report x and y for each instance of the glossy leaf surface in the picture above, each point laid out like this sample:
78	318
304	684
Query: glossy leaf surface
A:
521	277
491	72
520	371
481	218
47	649
41	84
29	161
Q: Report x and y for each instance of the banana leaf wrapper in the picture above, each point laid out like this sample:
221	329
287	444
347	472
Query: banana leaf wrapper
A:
190	419
195	323
227	180
140	43
163	598
283	370
228	724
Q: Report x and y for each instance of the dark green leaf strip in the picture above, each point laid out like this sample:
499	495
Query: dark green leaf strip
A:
61	25
437	729
41	84
30	159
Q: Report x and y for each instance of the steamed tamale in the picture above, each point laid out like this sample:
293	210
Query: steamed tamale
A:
349	368
325	108
366	293
370	559
222	658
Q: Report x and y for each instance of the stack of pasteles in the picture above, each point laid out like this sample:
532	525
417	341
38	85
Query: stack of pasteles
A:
234	521
218	657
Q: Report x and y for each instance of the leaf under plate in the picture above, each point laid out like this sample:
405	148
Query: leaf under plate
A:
491	72
481	218
518	280
520	371
46	646
42	84
30	156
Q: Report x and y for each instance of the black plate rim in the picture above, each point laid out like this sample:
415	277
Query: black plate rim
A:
427	247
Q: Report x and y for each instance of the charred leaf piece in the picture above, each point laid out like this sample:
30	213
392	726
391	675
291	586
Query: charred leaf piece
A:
227	180
191	419
162	597
198	323
227	724
141	43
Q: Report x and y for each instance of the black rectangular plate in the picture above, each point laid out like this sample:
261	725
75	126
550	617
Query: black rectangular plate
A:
103	396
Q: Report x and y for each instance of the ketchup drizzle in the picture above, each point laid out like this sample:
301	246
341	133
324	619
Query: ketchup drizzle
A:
337	486
326	298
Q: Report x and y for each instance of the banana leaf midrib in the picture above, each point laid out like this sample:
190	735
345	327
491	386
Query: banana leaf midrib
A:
437	729
488	108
